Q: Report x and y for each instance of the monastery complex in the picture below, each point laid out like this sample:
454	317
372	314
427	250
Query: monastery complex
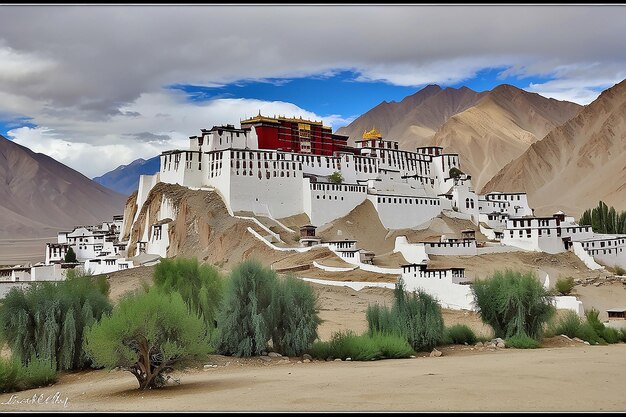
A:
279	167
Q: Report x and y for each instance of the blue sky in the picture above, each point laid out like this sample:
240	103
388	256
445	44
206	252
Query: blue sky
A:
101	85
340	93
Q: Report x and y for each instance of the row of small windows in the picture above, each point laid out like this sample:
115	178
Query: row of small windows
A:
337	187
411	200
604	251
608	243
330	197
449	244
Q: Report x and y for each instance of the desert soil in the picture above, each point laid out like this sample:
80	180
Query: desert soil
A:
562	376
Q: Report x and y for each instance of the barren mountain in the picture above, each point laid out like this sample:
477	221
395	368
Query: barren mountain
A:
499	128
39	196
414	120
576	164
487	129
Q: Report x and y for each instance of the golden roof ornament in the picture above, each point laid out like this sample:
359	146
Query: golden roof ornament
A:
372	134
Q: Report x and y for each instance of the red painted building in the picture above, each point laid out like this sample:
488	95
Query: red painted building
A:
297	135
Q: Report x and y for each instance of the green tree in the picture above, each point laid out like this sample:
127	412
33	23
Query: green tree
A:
48	320
258	308
201	286
455	173
70	256
585	219
150	335
245	320
296	317
513	304
336	177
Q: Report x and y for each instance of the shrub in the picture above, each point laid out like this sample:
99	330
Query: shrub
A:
246	319
201	286
513	303
593	319
365	347
150	335
257	308
336	177
8	374
588	333
610	335
15	376
522	341
48	320
622	335
618	270
564	286
37	373
416	316
568	324
296	317
459	334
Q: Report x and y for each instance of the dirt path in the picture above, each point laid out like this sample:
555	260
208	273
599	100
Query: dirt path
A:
580	378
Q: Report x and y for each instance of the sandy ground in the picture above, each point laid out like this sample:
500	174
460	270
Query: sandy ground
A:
561	376
21	251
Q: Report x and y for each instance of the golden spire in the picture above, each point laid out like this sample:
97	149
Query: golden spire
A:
372	134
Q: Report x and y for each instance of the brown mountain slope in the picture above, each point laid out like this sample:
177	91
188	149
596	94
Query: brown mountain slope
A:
39	196
499	128
576	164
414	120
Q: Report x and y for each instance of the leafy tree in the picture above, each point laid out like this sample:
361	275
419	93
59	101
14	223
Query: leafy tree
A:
455	173
70	256
257	307
604	219
150	335
296	317
48	320
336	177
513	303
245	320
201	286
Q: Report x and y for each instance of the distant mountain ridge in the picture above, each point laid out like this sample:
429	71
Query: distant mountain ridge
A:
40	196
125	178
576	164
487	129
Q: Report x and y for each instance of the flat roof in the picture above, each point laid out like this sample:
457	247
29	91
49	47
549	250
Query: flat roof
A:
616	310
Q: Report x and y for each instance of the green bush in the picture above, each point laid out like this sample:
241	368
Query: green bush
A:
622	335
8	374
568	324
149	334
48	320
257	308
365	347
593	319
618	270
589	334
245	321
513	303
335	177
15	376
201	286
564	286
37	373
522	341
295	317
416	316
459	334
610	335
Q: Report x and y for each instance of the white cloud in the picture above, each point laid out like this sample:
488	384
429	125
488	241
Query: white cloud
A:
93	76
160	121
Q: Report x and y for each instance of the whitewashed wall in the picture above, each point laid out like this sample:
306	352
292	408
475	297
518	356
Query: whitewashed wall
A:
415	254
402	215
324	202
